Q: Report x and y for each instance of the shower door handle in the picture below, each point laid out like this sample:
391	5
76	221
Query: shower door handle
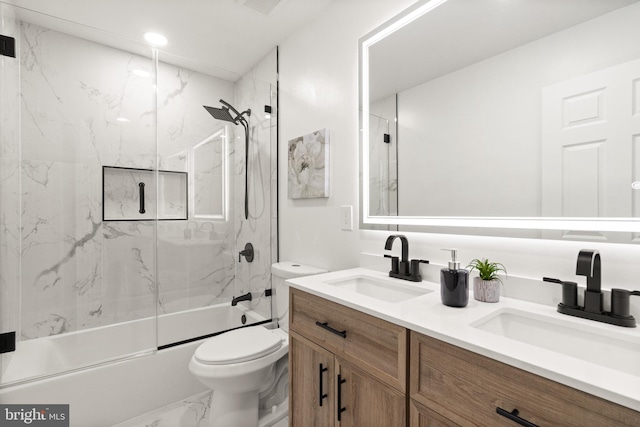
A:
141	189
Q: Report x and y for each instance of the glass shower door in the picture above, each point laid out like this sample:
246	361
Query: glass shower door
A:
78	243
200	270
260	227
9	190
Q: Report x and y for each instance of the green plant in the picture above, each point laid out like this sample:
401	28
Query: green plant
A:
487	270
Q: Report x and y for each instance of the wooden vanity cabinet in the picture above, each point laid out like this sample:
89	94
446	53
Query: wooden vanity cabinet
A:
467	388
362	364
365	360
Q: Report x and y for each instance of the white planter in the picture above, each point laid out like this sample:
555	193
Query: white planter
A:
486	290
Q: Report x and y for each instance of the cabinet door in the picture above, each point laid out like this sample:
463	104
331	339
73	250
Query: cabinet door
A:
469	389
365	401
421	416
311	384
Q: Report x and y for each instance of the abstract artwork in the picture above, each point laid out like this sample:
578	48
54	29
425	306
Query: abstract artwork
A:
309	166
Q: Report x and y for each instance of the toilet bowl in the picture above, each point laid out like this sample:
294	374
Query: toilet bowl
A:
247	368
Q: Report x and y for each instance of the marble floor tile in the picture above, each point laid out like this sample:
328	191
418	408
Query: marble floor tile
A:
191	412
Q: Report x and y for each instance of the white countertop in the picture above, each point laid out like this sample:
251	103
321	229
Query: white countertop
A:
427	315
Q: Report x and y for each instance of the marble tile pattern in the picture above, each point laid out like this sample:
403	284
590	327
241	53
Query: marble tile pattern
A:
73	267
196	258
190	412
79	272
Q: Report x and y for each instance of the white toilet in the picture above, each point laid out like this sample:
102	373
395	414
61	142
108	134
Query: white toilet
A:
247	368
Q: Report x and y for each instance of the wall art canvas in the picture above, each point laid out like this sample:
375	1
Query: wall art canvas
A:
309	166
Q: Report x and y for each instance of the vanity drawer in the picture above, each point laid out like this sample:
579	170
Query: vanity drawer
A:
374	345
467	388
421	416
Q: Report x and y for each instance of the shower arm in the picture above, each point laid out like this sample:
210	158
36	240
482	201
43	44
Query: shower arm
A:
229	106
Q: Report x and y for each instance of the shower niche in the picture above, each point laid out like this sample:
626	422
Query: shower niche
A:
129	194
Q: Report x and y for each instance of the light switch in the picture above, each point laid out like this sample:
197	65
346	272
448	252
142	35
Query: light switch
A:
346	222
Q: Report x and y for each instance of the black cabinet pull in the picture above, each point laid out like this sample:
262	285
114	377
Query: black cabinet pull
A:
323	395
513	416
326	326
141	188
340	408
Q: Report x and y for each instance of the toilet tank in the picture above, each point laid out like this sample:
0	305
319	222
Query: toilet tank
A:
280	272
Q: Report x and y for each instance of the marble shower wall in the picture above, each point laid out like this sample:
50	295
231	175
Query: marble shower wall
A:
196	258
77	271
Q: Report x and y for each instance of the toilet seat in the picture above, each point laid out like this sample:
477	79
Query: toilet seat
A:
237	346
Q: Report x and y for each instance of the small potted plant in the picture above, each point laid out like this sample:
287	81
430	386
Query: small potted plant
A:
486	287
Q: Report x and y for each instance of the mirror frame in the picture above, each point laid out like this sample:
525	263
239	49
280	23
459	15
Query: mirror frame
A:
404	18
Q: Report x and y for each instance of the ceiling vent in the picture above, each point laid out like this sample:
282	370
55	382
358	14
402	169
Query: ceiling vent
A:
265	7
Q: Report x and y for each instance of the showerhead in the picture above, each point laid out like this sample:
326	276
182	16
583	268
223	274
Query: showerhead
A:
224	113
220	114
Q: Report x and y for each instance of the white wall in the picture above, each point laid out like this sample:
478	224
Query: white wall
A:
319	88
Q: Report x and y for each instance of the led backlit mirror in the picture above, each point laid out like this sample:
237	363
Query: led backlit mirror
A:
511	115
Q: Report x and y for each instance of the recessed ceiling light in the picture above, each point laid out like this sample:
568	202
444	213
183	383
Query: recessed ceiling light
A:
155	39
123	119
635	185
140	73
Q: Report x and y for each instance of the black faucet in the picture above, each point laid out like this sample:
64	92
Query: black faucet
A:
245	297
403	268
589	265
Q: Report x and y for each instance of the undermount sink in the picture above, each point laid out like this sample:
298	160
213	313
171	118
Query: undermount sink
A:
602	347
387	290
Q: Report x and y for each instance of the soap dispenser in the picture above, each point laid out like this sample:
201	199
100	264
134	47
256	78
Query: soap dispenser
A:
454	281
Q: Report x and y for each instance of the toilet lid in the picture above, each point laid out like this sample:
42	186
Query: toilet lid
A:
239	345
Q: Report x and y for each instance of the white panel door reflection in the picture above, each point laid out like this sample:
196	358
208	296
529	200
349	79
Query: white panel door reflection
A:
590	147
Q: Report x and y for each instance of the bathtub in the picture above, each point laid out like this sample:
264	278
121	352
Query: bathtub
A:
104	388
